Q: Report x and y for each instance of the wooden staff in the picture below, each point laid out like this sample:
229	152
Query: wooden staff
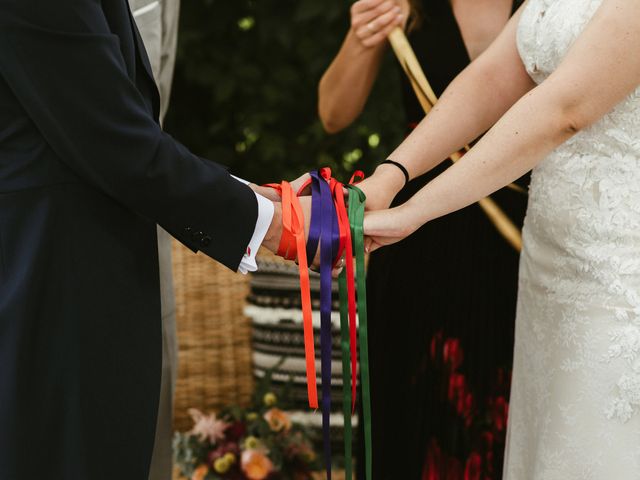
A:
427	98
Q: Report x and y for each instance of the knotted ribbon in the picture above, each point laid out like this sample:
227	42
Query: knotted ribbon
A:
337	229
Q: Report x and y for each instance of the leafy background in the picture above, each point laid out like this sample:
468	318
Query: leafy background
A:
245	89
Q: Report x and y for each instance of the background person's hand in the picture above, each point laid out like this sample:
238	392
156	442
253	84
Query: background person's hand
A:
373	20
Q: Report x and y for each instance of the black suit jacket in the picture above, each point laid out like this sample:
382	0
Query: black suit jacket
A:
85	175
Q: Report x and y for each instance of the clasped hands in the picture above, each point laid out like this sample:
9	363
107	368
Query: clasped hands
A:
382	225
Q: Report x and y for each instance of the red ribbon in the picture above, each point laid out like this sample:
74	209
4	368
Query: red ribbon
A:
346	246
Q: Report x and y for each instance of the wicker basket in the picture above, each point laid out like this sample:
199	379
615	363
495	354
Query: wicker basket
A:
214	336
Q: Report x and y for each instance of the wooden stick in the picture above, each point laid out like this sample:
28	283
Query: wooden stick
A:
427	98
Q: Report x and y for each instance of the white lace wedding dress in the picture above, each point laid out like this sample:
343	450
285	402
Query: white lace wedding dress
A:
575	401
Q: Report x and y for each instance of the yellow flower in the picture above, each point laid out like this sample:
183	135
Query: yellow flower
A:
251	443
256	465
200	473
278	420
310	456
230	457
251	416
270	399
221	465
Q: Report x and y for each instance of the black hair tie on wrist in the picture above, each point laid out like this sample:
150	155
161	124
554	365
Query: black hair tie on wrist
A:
401	167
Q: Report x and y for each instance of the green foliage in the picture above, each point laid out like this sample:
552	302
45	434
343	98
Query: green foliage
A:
245	91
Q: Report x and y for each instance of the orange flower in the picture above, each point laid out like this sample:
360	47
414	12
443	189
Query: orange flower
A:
255	464
278	420
200	473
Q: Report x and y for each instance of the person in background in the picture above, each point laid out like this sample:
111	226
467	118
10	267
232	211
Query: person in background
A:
440	368
157	21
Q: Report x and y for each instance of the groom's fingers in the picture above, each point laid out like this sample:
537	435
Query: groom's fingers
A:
299	182
266	192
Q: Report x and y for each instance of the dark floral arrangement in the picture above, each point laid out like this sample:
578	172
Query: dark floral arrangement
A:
255	443
475	425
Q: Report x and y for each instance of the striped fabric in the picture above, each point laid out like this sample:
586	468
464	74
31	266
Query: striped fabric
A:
277	342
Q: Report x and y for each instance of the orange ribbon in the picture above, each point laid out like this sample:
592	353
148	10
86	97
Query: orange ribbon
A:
292	246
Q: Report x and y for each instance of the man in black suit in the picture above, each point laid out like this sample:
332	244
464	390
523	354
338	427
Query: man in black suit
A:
85	175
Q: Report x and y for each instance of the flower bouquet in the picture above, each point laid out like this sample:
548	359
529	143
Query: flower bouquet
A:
256	443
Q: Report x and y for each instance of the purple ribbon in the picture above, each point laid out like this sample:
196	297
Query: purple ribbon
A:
324	228
314	224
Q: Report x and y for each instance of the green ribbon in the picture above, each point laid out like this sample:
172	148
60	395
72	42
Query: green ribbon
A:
346	373
356	209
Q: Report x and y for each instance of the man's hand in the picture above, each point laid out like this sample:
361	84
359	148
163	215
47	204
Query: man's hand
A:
299	182
266	192
272	238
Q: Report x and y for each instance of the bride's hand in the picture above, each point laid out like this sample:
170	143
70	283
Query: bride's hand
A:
384	227
382	187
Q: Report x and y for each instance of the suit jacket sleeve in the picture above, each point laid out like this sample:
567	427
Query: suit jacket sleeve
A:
68	72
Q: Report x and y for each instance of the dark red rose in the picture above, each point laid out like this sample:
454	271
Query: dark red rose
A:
500	413
467	407
488	462
456	387
452	353
235	431
436	345
454	469
487	440
473	469
433	464
502	379
234	474
222	450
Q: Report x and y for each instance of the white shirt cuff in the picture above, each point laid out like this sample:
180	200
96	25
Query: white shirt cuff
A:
265	216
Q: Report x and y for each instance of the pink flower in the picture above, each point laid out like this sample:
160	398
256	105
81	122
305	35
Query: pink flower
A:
255	464
207	427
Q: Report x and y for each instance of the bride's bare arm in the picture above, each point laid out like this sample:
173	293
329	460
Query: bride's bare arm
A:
471	104
597	73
